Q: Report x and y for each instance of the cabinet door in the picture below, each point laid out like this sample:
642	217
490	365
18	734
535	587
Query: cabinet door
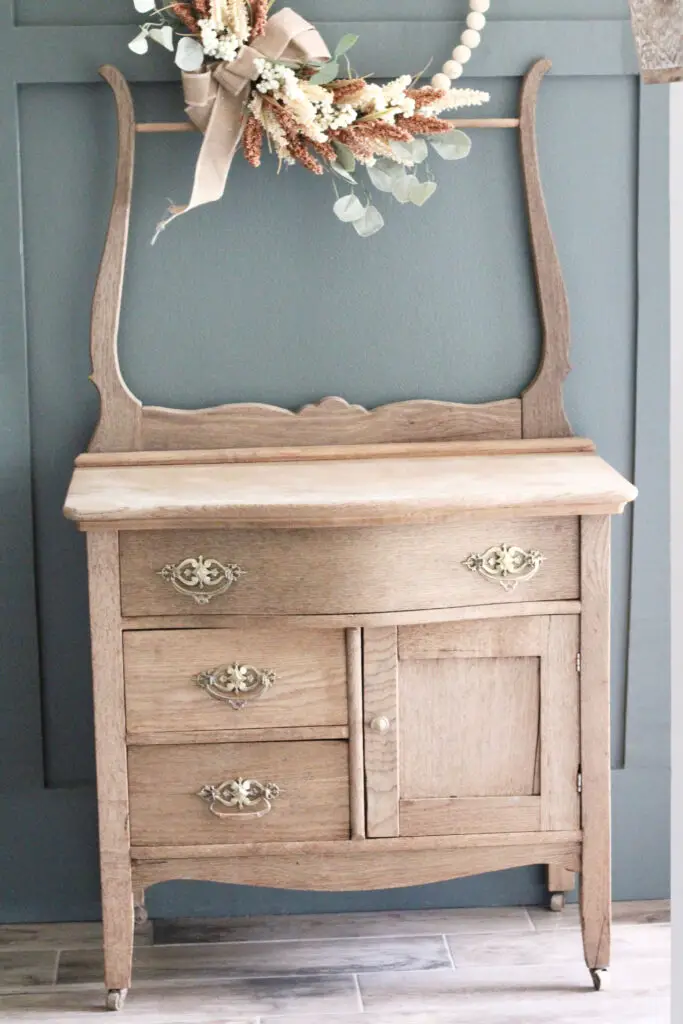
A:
472	727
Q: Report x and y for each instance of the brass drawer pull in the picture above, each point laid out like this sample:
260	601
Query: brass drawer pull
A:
201	578
505	564
237	796
236	685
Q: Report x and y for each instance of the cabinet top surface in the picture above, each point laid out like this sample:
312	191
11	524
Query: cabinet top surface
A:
352	492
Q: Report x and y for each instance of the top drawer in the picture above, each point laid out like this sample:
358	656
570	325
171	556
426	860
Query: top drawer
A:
343	571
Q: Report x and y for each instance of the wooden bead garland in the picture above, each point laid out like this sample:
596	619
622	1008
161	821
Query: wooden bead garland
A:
469	40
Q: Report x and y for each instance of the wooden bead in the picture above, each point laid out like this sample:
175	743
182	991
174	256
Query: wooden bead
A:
470	38
476	21
452	68
441	81
480	6
462	54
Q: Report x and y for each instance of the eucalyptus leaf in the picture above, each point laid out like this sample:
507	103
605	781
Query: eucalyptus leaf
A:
370	223
412	152
345	44
345	156
327	73
189	55
139	44
349	208
384	174
143	6
338	169
403	187
163	36
420	193
453	146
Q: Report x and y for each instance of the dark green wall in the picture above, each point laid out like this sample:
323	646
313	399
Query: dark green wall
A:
267	297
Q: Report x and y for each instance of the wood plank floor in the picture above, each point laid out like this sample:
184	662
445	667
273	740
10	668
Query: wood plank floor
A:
503	966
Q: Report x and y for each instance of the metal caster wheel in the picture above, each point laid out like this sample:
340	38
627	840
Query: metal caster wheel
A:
600	976
557	901
140	915
116	997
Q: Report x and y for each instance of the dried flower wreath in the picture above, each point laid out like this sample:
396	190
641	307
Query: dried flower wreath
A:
250	77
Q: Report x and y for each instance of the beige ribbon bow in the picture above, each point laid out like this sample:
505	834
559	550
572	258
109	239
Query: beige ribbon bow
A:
216	99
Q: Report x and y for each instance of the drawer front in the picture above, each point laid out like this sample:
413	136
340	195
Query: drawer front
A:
315	572
238	793
183	680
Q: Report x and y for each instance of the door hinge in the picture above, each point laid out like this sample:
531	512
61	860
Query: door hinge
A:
579	781
578	662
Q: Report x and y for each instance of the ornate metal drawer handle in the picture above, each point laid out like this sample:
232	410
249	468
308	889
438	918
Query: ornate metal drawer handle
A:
229	682
505	564
237	796
201	578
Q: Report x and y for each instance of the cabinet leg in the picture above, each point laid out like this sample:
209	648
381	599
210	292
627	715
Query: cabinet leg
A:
140	915
118	929
560	882
596	885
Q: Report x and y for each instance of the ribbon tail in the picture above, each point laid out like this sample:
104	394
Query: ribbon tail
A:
221	138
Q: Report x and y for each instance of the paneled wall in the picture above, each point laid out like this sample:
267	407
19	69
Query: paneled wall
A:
268	297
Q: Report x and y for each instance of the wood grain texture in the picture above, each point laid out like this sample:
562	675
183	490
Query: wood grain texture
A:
162	694
164	782
337	872
559	725
337	453
351	849
560	879
465	815
543	412
331	421
469	728
421	616
304	732
354	677
489	711
380	689
350	492
118	428
110	750
596	887
309	572
490	638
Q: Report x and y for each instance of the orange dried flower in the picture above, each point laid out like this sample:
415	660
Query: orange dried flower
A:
203	8
359	146
382	130
259	17
304	157
426	95
344	90
252	141
325	149
421	125
184	12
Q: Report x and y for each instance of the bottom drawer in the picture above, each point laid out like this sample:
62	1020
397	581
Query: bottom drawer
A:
237	792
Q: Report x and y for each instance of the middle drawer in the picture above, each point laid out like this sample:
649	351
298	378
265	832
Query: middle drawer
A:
207	679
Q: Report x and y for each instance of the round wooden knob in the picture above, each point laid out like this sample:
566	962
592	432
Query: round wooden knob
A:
381	724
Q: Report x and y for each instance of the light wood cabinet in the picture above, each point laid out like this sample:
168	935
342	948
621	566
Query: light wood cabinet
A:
347	649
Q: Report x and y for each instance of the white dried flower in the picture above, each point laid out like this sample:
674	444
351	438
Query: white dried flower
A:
277	79
456	99
218	42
